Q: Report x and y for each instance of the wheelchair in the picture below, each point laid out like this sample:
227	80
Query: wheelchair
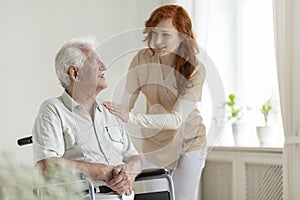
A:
145	175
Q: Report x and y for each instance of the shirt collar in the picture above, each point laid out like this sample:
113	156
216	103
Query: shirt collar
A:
69	101
98	105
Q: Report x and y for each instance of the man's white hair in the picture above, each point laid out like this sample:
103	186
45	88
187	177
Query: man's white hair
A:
71	54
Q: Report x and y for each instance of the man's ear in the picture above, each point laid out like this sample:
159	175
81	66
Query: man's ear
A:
73	72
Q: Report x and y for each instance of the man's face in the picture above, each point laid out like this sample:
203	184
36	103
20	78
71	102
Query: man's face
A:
92	73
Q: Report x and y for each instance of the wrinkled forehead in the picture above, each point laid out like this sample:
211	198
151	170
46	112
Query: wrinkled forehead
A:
93	57
90	53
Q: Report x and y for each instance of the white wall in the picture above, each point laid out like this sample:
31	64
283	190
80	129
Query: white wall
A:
30	34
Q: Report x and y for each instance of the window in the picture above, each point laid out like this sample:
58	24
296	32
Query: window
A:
238	36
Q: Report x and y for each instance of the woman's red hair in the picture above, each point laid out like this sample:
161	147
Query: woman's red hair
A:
186	55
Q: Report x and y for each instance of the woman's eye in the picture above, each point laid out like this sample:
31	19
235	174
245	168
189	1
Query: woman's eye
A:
154	33
166	35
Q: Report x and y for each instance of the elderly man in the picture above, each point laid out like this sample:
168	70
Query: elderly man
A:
76	130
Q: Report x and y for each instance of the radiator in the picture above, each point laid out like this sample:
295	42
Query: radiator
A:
242	174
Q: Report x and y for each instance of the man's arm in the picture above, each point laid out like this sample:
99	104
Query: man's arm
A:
97	171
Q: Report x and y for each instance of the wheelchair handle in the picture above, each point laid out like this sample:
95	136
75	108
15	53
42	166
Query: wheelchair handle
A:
24	141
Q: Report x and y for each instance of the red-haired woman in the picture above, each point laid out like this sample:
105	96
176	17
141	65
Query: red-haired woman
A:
170	76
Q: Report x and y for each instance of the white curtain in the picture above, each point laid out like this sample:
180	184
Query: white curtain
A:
287	34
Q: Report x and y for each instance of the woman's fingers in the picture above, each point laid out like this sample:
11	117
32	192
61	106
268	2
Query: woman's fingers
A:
112	106
117	110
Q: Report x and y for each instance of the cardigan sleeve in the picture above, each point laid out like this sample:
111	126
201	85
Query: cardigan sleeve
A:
184	105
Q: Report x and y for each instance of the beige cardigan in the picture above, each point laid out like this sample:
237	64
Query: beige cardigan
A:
172	124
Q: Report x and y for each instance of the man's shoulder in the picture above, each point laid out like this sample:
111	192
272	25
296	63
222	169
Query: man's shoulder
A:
52	101
51	104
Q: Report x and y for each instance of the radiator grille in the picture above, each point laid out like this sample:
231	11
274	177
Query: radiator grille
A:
263	181
216	181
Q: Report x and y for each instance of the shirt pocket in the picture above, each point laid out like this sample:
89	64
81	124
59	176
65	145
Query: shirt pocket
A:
73	146
115	136
71	139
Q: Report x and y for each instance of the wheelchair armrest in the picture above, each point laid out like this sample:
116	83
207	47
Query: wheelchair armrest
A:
147	174
158	173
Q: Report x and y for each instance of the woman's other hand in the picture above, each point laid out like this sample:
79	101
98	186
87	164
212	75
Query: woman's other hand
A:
117	110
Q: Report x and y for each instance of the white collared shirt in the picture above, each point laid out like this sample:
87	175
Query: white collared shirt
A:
63	128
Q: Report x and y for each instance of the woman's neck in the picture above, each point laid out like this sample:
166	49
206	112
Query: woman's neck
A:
168	60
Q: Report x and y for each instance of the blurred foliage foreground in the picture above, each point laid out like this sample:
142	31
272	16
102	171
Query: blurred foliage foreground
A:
18	182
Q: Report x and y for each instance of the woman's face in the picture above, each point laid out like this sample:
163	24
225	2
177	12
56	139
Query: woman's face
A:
165	38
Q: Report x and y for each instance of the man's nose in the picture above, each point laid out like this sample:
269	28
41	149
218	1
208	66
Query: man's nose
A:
103	67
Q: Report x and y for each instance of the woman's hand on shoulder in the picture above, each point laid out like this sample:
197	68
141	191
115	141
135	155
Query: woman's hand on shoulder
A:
117	110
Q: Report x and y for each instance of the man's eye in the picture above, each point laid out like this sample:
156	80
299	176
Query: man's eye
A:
91	60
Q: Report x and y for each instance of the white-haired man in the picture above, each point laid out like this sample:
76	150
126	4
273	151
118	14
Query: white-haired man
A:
76	130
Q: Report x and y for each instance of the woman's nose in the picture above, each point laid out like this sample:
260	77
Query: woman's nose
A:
158	39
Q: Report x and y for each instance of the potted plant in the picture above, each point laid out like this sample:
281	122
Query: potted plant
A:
234	115
264	133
